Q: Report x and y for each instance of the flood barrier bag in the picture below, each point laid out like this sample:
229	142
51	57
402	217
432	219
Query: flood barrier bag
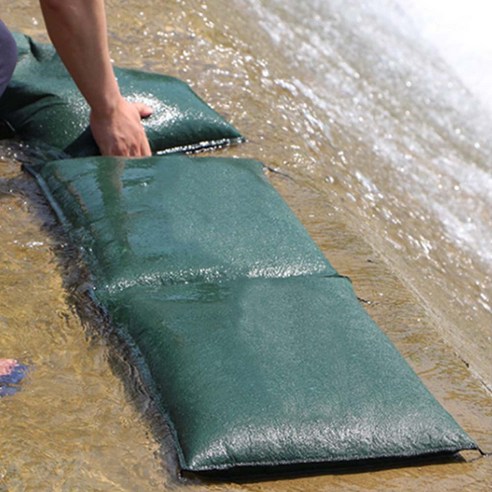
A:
43	104
258	351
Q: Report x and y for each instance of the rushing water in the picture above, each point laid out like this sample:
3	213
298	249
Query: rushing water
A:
390	159
405	146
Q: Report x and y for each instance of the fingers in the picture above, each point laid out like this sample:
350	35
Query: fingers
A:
121	133
139	145
144	110
139	148
146	150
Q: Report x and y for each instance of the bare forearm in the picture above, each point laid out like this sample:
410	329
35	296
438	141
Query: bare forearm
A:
78	31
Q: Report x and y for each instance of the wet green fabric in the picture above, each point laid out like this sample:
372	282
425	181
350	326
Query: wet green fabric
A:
257	372
43	104
178	219
258	351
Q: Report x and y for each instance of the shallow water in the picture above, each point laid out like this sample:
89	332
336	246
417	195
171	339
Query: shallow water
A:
383	143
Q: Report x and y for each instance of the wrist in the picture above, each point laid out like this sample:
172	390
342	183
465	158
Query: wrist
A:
107	105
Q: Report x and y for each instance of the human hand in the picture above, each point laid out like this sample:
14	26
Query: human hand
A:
120	131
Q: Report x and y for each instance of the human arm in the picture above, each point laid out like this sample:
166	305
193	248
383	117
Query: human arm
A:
78	31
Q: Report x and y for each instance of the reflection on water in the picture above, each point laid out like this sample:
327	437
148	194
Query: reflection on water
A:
382	141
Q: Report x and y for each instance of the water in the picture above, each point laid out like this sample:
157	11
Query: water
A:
389	156
404	145
461	33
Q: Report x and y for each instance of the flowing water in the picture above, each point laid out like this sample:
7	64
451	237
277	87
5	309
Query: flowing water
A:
390	163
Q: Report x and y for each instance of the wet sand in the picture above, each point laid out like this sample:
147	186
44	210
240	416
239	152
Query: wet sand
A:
83	422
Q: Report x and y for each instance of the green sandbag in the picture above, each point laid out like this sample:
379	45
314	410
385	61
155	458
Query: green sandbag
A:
259	352
261	372
180	220
43	104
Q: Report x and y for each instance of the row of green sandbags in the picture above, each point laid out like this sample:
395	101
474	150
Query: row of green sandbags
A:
257	349
259	352
42	105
